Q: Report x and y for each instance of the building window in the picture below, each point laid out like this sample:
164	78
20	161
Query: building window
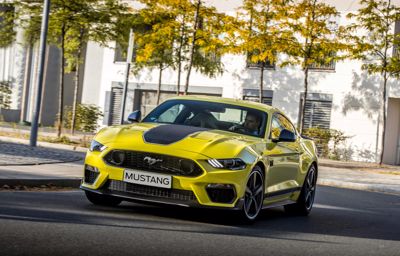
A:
253	95
321	65
121	52
259	64
317	110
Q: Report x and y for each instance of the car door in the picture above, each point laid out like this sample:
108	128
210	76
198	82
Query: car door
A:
283	159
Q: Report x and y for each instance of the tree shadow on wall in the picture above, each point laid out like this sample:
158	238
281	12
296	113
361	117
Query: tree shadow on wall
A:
365	95
287	85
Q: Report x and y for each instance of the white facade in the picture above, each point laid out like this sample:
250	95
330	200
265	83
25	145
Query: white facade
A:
355	95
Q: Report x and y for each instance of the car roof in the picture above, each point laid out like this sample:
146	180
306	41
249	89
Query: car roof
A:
243	103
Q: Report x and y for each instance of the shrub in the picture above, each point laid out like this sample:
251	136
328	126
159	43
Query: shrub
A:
323	138
5	95
86	117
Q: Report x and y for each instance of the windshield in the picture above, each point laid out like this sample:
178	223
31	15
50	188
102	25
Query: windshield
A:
210	115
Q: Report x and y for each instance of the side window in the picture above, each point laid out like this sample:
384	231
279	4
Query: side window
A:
279	122
170	115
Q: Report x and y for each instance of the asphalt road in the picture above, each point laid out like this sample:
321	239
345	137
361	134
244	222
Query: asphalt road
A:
343	222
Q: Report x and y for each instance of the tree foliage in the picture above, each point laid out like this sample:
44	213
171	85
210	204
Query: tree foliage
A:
261	33
87	117
72	23
181	35
7	23
5	94
316	40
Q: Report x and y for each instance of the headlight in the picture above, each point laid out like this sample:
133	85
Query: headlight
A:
96	146
231	164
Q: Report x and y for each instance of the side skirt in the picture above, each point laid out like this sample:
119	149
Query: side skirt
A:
277	195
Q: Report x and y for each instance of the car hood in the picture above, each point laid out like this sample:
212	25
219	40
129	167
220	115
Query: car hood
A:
162	138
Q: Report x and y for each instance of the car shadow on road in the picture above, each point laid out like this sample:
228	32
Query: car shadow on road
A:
363	215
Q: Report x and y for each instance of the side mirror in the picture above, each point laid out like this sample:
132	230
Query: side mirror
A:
134	117
286	136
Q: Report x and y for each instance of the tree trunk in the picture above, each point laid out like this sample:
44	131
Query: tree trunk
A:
178	86
303	103
261	83
61	93
192	47
159	84
75	102
46	64
385	78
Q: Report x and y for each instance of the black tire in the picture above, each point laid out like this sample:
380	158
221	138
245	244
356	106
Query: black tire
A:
253	197
104	200
305	202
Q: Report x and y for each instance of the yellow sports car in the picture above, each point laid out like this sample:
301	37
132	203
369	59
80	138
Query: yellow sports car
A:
204	152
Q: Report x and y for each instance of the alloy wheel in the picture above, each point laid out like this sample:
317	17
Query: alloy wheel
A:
309	190
254	195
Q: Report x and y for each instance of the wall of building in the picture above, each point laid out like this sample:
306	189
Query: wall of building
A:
356	98
392	137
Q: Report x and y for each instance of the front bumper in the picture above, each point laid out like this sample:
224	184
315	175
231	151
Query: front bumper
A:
185	191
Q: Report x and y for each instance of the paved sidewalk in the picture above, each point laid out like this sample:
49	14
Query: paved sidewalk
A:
20	154
57	174
377	180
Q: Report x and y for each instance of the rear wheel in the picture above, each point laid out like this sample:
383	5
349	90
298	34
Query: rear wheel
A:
99	199
254	195
305	202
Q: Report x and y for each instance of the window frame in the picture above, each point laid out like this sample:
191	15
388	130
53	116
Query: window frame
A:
284	116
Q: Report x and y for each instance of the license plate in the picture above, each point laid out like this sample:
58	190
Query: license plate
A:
147	178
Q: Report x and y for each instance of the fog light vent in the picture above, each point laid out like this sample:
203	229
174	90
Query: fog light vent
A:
91	174
221	193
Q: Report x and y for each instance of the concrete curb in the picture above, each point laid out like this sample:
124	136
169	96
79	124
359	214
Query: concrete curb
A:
70	183
358	186
45	144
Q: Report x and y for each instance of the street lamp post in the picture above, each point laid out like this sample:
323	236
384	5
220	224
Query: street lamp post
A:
128	67
42	52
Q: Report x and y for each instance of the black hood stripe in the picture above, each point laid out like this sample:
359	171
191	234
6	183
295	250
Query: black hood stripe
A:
170	133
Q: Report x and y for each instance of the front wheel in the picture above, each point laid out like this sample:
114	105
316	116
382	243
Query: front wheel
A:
99	199
305	202
254	195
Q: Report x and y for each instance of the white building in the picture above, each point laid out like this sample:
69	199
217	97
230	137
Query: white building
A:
341	96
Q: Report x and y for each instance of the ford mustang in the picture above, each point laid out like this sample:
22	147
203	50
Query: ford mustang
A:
206	152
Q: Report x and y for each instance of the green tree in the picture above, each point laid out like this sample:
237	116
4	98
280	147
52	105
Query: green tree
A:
376	18
7	18
181	8
316	41
71	25
180	32
204	39
155	45
5	94
262	33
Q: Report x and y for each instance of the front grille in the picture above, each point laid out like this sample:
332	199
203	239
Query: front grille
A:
90	176
153	162
140	190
